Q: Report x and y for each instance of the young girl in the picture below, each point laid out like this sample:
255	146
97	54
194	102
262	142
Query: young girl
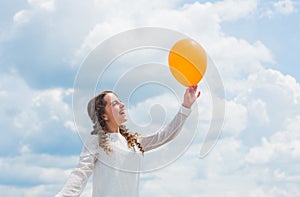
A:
112	154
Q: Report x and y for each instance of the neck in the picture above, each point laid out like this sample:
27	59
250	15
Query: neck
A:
112	128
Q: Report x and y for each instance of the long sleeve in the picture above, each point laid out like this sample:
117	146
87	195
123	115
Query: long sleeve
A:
79	176
168	133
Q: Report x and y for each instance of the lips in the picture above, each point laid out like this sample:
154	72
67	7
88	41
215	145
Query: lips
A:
122	112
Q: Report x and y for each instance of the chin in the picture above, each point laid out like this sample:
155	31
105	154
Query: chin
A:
123	121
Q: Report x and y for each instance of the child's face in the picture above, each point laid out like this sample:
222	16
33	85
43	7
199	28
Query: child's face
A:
114	109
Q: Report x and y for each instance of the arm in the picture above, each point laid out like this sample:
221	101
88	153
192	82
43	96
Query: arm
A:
170	131
79	176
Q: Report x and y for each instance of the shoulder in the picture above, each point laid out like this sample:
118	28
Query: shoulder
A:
91	139
91	143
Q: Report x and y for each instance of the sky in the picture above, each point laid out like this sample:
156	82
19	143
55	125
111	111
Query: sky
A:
253	44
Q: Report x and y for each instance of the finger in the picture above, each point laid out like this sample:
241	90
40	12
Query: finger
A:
195	87
189	89
198	94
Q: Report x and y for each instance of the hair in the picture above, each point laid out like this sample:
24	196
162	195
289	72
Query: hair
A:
101	129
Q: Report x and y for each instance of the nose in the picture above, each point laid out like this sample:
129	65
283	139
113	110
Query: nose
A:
122	105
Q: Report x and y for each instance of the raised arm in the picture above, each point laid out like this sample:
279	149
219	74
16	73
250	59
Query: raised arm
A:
79	176
171	130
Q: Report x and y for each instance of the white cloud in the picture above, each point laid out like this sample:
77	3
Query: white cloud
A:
275	191
258	111
22	16
199	20
29	113
284	6
33	175
262	101
44	106
70	125
227	10
271	9
242	59
236	118
281	145
167	104
270	99
225	168
47	5
98	34
199	177
261	155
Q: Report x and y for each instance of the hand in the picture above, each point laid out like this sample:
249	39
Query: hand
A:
190	96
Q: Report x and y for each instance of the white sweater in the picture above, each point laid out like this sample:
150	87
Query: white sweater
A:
117	174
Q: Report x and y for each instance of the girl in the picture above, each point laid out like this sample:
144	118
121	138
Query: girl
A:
112	154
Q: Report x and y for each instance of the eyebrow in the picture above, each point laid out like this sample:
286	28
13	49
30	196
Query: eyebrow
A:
114	101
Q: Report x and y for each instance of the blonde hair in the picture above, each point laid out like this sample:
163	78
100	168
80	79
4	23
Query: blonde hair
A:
96	109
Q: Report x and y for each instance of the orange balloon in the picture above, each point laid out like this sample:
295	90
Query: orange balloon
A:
187	62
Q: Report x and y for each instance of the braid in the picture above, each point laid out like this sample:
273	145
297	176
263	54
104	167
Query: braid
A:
131	138
100	126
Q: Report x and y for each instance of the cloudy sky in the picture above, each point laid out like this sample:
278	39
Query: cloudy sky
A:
253	44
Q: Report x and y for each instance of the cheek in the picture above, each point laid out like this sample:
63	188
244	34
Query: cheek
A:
115	111
110	112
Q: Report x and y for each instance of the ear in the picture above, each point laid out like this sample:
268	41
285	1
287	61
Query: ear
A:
104	116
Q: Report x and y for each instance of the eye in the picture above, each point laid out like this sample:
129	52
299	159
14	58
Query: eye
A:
115	103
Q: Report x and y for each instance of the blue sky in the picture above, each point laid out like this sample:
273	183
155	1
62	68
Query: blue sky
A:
279	32
253	43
